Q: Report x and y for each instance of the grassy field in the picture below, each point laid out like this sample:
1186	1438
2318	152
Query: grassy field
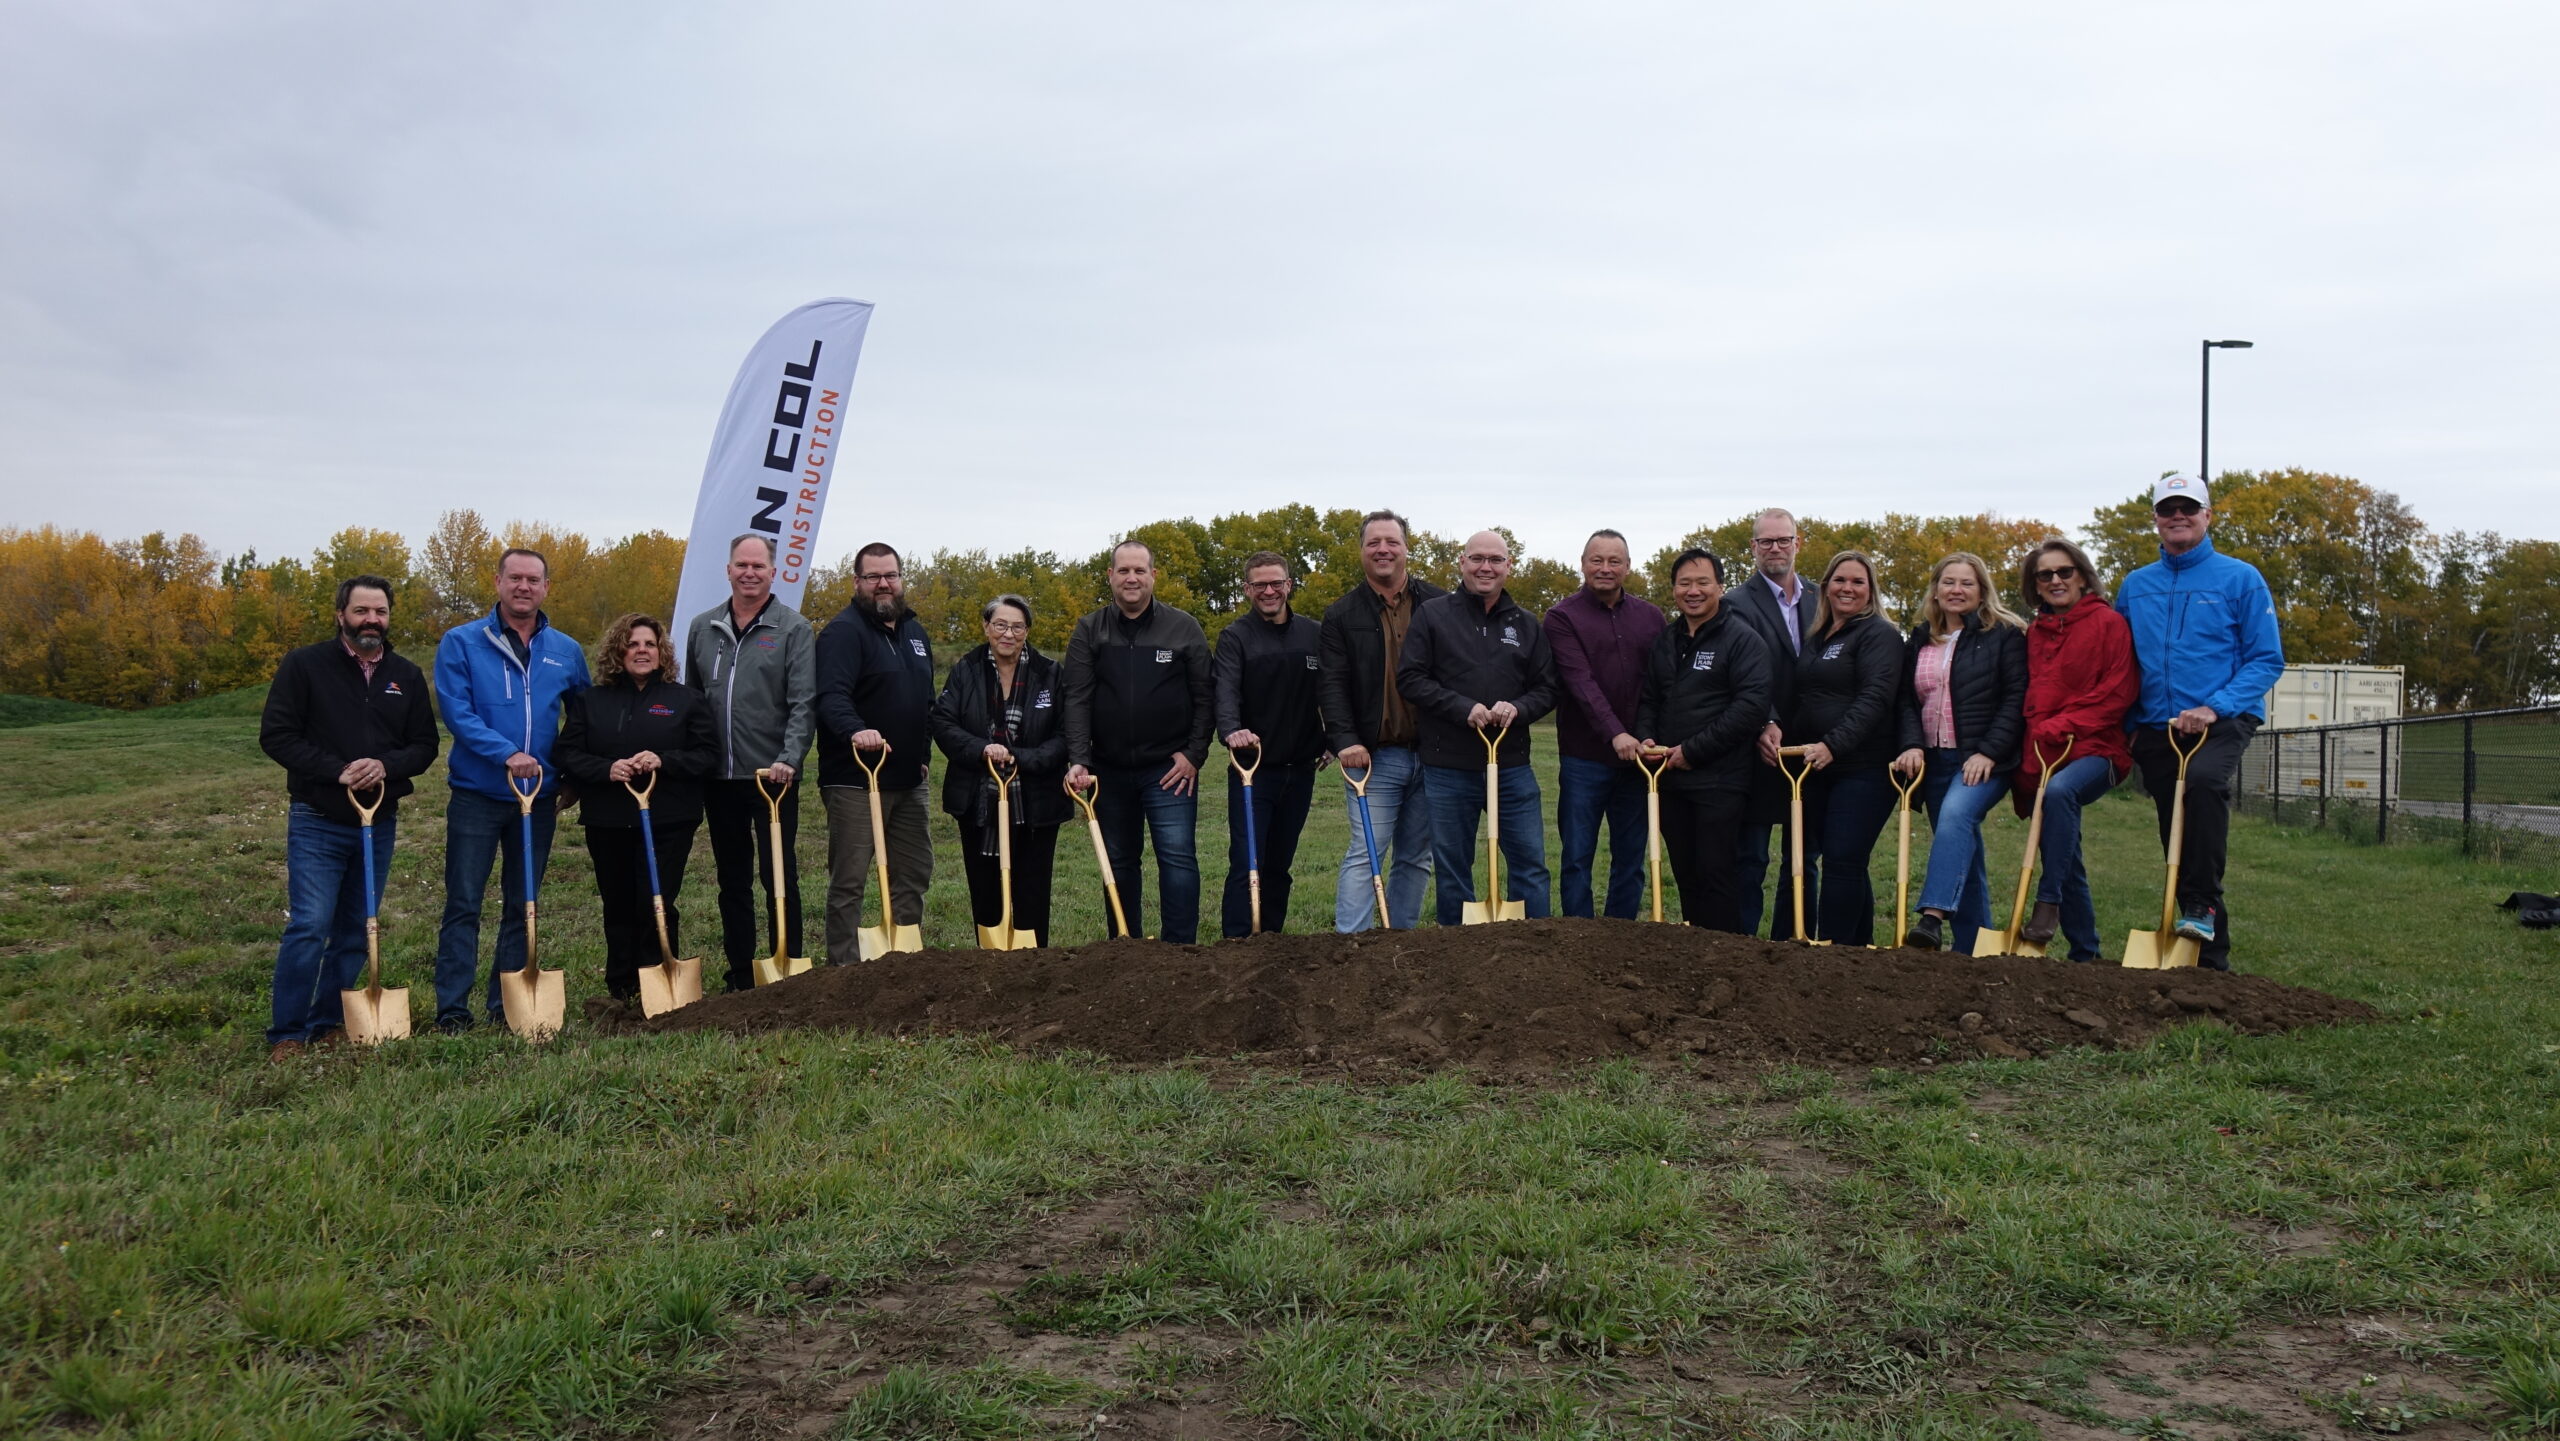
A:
464	1237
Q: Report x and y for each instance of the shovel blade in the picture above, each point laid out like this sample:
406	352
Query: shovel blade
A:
1988	942
663	988
2183	952
2142	951
770	969
536	1001
1006	938
1481	913
878	941
373	1017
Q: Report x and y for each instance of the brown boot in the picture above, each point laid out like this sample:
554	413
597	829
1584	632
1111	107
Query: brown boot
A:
285	1051
2041	924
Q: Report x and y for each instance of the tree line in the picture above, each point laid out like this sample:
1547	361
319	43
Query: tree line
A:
2356	575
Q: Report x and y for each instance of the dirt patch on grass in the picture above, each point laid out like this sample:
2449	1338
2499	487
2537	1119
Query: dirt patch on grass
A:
799	1376
2351	1377
1522	996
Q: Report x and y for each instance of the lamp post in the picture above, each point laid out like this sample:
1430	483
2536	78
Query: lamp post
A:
2204	422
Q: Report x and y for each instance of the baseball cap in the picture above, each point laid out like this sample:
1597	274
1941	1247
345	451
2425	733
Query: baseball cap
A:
2180	487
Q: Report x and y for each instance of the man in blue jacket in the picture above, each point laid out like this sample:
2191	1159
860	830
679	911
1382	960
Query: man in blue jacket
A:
502	682
2204	631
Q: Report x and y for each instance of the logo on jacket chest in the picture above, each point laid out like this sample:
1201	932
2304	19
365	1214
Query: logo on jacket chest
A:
1164	657
916	643
661	708
1832	651
1040	701
1703	660
392	687
1511	635
767	642
1313	663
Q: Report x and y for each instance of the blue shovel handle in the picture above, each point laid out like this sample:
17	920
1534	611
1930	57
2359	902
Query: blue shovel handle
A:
1368	832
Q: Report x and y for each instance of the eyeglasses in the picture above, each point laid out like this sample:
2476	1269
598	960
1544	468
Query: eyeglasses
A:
1007	627
2063	572
878	576
1266	585
1773	540
1484	559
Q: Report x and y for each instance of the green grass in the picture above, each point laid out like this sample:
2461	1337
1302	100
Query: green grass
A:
468	1238
36	710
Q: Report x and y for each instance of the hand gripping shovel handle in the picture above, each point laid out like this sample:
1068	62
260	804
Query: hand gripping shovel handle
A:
2177	832
525	797
1101	856
1252	843
372	898
2035	841
1795	775
1902	848
649	852
773	795
1492	739
1004	840
879	831
1653	764
1369	837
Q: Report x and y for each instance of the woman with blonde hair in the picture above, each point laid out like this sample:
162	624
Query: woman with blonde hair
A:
635	722
2081	679
1843	711
1963	697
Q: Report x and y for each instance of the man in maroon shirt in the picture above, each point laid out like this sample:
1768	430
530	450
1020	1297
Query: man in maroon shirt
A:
1599	635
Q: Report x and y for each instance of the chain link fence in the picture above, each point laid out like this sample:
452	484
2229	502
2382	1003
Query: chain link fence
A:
2486	780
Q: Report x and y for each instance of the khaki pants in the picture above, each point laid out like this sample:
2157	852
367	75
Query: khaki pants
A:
850	866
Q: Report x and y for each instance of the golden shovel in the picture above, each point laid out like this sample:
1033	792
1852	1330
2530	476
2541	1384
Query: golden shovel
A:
671	982
1902	849
2164	949
1001	936
880	940
375	1014
1988	942
1660	757
1101	856
536	1001
781	963
1477	913
1795	831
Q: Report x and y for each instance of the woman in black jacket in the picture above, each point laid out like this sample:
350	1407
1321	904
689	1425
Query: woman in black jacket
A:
1003	700
635	720
1706	693
1848	686
1963	713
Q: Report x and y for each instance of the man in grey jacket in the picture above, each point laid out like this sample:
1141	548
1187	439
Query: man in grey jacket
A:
758	661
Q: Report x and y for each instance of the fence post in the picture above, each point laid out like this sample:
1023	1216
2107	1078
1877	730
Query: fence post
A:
2470	774
2385	781
2324	780
2275	778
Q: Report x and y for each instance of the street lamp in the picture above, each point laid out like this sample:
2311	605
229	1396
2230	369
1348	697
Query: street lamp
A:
2204	436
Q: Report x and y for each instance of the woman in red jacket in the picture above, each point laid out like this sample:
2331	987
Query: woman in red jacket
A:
2081	679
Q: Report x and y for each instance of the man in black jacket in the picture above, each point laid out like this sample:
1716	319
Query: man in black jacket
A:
1370	725
1138	687
875	688
346	714
1774	601
1706	689
1475	662
1266	669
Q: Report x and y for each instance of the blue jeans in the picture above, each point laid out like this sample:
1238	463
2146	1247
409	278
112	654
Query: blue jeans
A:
1955	884
1400	813
477	831
1845	808
1585	791
2066	879
1456	795
1134	812
323	948
1282	796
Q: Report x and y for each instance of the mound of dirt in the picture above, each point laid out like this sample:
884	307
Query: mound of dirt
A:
1522	996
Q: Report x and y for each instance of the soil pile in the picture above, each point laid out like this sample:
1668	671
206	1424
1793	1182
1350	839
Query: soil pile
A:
1521	996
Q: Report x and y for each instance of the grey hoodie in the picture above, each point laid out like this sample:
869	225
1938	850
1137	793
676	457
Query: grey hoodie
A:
763	685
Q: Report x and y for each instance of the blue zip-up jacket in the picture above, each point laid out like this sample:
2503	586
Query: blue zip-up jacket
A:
496	705
2204	629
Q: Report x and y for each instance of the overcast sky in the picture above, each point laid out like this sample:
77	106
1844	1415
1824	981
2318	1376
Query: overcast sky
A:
268	270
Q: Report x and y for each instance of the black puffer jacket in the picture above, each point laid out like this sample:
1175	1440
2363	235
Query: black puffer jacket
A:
607	723
1987	681
966	714
1848	689
1707	693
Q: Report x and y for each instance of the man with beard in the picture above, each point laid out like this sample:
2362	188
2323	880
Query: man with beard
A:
345	714
875	686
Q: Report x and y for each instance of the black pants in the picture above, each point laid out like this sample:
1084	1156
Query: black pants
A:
622	880
1035	855
1699	832
742	849
1282	795
2211	776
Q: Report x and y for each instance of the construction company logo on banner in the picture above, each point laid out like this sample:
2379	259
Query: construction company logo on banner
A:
774	454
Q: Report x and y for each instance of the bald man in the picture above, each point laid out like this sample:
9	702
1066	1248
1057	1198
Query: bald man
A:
1475	662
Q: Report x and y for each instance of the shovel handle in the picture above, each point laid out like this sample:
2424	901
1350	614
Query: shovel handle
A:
364	813
772	794
871	767
1359	786
1244	770
526	797
1492	738
1653	763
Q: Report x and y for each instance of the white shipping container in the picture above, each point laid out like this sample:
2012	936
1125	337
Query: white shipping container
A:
2328	695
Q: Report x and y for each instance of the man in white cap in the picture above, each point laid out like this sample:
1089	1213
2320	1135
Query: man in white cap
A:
2204	630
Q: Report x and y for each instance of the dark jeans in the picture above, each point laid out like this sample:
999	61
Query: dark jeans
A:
1699	830
1456	797
2208	834
1845	808
1750	867
742	852
478	830
322	952
622	883
1135	811
1282	796
1587	790
1035	858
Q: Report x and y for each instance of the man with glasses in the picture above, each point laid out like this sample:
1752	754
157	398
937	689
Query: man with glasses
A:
1266	673
1370	725
1775	602
875	686
1477	661
2204	632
